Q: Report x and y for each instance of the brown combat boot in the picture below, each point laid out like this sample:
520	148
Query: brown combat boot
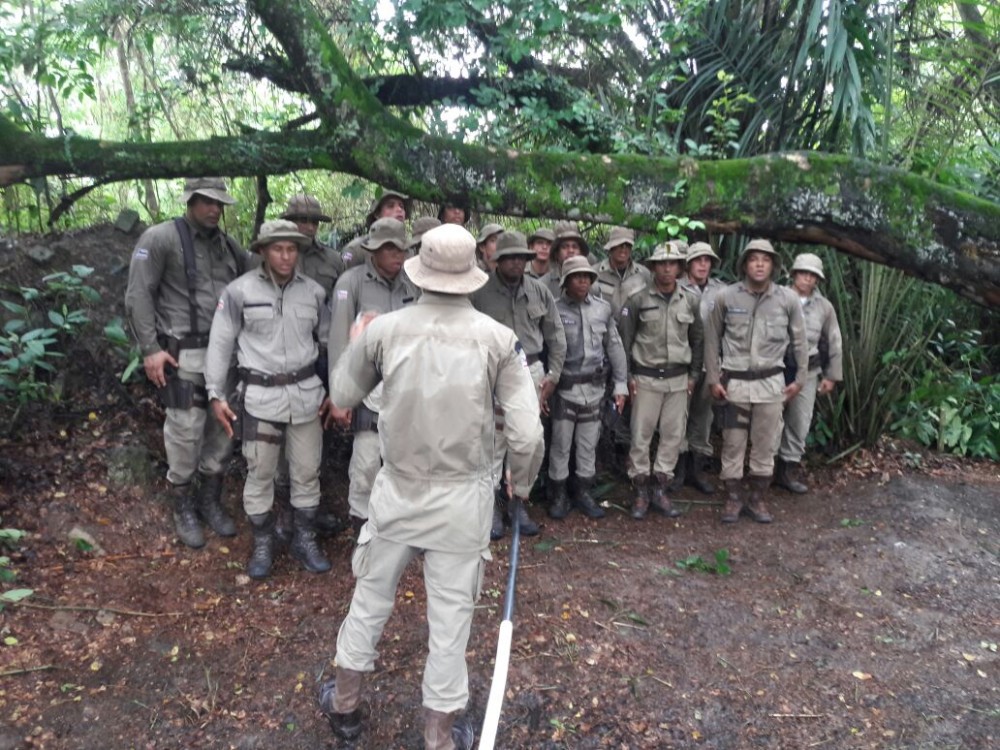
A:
340	702
659	501
756	508
447	731
785	476
640	502
734	501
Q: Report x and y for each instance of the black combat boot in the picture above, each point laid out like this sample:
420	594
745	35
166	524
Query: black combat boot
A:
304	547
640	501
186	521
696	473
444	731
734	501
328	523
784	476
756	507
282	508
528	527
346	723
659	500
680	474
582	499
558	500
262	555
496	527
210	505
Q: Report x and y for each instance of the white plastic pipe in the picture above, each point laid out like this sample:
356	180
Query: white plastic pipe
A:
498	688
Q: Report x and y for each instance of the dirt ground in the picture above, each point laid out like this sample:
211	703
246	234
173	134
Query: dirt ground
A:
866	616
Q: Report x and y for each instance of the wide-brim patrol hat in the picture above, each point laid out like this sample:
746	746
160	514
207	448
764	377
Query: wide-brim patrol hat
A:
386	231
276	231
373	210
542	233
576	264
808	262
304	206
667	251
422	225
213	188
488	231
447	262
568	230
761	246
511	244
702	250
620	236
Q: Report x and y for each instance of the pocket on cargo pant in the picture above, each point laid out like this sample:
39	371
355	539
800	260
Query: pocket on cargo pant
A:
484	558
361	559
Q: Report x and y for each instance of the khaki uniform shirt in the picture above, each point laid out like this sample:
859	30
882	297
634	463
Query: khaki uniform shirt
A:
275	330
616	287
529	271
706	295
748	331
821	323
156	300
591	338
661	331
529	311
443	364
322	264
353	254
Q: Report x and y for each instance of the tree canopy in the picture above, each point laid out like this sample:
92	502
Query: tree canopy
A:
869	127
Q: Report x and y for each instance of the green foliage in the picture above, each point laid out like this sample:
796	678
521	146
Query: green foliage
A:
719	565
9	538
124	348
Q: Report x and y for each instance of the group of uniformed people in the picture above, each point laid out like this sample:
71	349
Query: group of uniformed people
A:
443	398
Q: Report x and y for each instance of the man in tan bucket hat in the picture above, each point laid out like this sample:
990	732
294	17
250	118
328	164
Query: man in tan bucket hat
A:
444	365
389	204
618	275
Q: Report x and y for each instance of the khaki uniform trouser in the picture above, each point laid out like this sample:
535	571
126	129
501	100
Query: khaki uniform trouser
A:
569	420
192	438
303	445
499	438
761	423
453	581
366	460
699	423
798	415
657	409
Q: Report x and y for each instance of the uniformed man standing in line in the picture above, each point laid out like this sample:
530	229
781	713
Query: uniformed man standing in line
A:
540	243
663	336
444	366
379	286
486	247
525	306
452	213
591	340
389	205
618	275
825	370
696	449
754	321
178	270
568	244
273	317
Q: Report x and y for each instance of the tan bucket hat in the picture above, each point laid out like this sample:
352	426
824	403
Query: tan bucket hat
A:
277	230
667	251
568	230
620	236
576	264
700	250
511	244
542	233
422	225
762	246
386	230
304	206
211	187
447	262
488	231
808	262
372	216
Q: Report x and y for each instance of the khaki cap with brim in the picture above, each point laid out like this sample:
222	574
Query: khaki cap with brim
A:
447	262
666	251
542	233
808	262
512	244
762	246
422	225
276	231
372	216
386	231
568	230
620	236
213	188
305	207
702	249
576	264
488	231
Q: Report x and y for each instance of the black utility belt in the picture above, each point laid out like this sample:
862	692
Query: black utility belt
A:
567	381
660	372
752	374
815	362
173	345
285	378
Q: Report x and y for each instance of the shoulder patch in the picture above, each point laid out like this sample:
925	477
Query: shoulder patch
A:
221	304
624	312
348	255
341	294
141	253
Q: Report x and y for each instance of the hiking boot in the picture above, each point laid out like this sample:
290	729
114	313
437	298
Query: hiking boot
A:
785	476
304	547
527	526
496	527
640	501
444	731
328	523
558	499
734	501
680	474
582	499
756	508
658	498
696	478
282	508
186	521
346	722
262	555
209	499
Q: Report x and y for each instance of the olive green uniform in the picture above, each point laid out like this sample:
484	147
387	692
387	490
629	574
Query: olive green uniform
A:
618	286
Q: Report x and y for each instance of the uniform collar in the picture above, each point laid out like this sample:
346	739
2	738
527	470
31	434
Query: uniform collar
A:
437	298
